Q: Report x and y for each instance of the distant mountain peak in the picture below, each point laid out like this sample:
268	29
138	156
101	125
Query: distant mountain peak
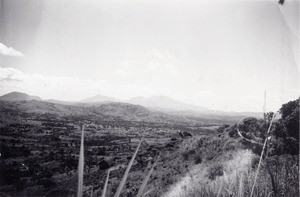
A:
16	96
165	102
99	98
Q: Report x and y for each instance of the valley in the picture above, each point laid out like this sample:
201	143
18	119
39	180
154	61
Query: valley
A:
40	143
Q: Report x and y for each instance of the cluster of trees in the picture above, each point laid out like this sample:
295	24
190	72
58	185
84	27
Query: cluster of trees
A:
284	132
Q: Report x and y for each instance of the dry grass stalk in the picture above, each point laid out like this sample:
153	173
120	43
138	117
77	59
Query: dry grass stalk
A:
261	155
146	193
224	183
220	188
143	186
106	183
123	181
241	186
81	165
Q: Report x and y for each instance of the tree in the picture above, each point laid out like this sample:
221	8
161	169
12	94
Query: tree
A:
254	130
287	129
269	117
290	118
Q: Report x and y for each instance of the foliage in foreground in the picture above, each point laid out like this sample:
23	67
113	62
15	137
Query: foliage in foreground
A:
227	170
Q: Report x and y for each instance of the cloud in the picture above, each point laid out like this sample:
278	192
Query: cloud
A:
11	74
9	51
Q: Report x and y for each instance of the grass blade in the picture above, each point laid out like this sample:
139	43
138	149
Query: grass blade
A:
262	153
146	193
143	186
241	186
123	181
105	185
80	165
220	188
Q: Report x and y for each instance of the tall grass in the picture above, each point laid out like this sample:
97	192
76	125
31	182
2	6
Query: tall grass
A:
125	176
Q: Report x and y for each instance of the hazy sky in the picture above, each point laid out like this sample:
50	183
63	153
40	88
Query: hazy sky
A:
217	54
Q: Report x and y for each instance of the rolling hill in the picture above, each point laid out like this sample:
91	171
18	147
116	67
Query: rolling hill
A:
18	96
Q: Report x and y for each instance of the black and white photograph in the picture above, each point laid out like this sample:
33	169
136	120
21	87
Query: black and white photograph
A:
149	98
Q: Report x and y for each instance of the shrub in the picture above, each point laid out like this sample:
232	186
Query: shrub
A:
222	128
202	141
198	159
232	131
215	170
186	154
173	139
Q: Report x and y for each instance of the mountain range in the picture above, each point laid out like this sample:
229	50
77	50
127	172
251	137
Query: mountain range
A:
155	103
165	103
12	111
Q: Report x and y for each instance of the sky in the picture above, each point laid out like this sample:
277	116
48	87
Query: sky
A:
218	54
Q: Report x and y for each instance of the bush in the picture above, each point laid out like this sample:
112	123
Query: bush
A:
202	141
186	154
232	131
222	128
198	159
215	170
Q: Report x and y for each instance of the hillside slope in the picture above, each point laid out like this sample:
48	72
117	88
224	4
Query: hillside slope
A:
18	96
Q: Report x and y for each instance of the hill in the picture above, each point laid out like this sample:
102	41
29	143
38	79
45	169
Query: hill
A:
17	96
